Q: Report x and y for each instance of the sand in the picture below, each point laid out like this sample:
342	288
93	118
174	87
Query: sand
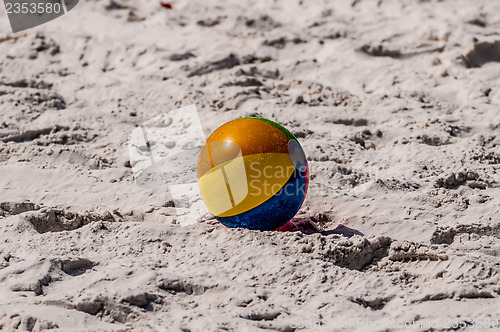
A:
395	103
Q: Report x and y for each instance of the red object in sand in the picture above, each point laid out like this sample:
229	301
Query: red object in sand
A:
167	5
304	225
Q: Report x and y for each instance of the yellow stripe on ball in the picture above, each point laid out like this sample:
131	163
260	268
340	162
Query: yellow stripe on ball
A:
243	183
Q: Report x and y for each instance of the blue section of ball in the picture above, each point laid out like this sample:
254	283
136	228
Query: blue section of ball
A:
277	210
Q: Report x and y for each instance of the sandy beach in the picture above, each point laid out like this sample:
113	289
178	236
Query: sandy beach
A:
396	104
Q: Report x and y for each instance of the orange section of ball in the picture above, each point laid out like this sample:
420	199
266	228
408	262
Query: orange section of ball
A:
246	136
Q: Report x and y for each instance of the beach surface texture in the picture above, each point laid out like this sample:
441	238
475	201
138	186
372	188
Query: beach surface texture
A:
395	102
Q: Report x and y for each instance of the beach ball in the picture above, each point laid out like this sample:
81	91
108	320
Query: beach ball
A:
252	173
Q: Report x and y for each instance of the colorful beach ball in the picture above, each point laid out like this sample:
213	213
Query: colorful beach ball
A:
252	173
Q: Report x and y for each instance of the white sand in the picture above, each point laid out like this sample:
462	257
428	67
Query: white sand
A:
395	103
